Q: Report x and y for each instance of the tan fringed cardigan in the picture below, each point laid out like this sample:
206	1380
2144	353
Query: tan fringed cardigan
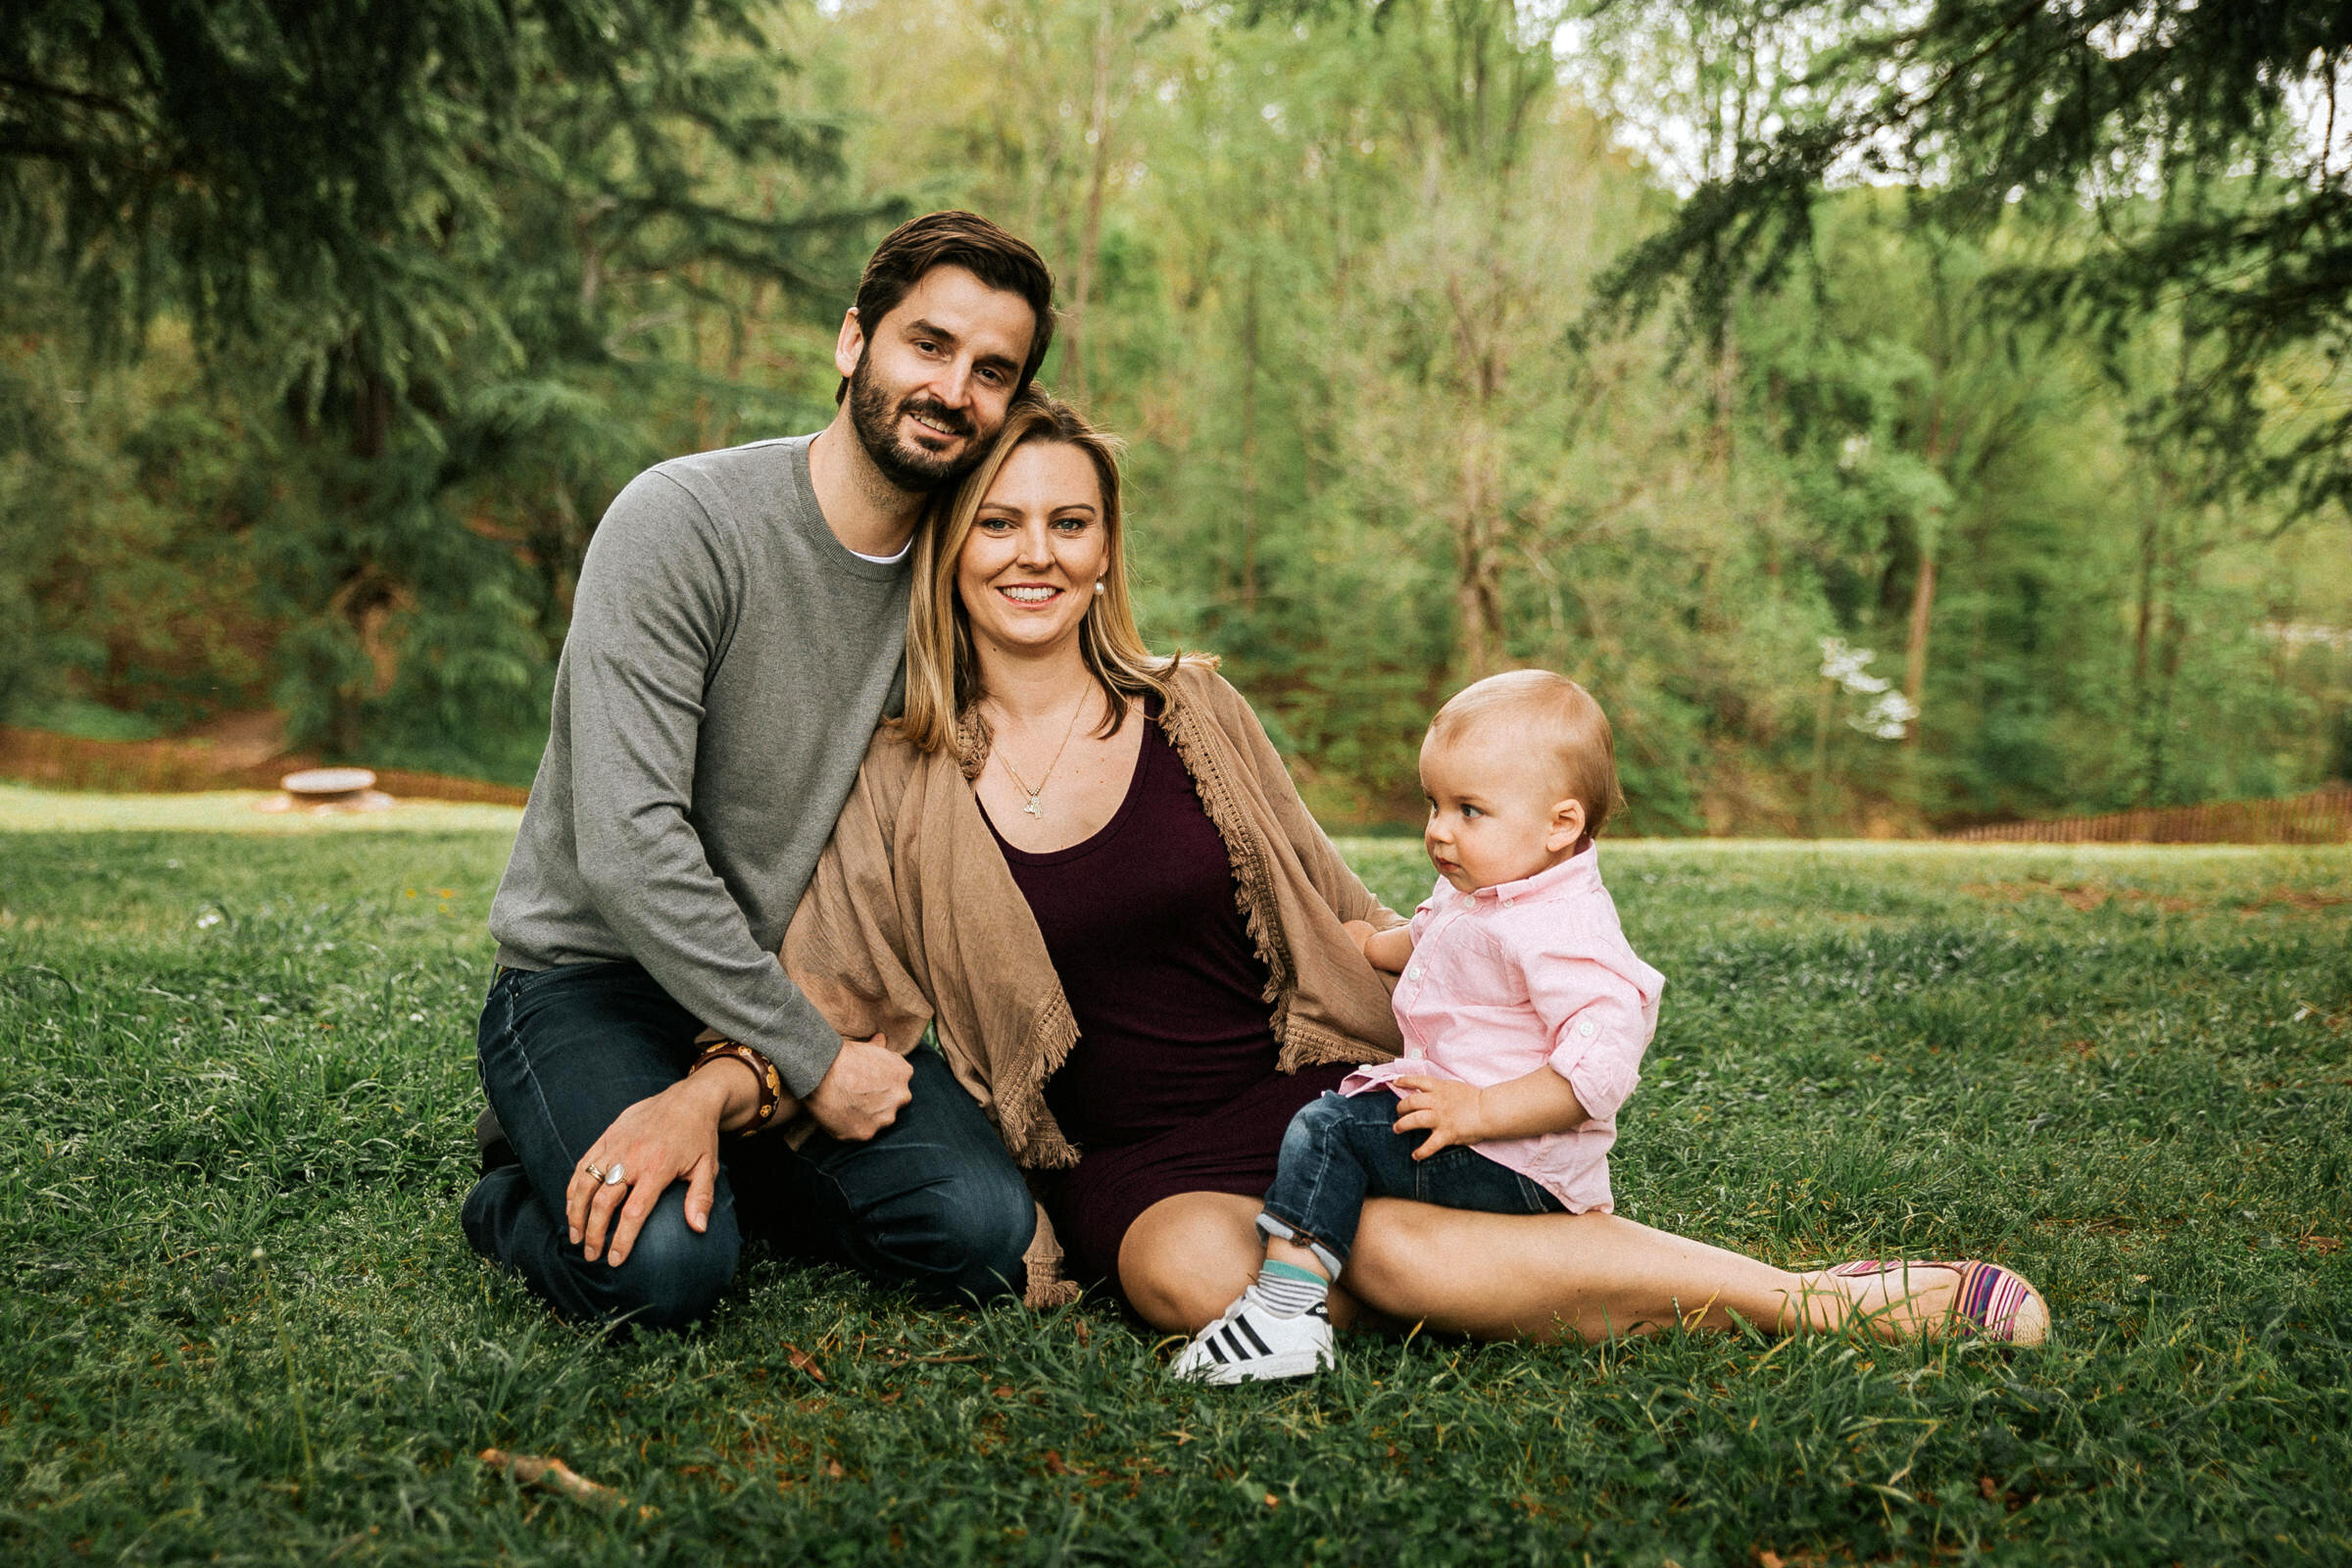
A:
913	917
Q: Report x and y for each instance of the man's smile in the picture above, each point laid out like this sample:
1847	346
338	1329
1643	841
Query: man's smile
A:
935	422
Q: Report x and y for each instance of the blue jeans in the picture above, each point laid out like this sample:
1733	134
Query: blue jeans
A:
1343	1149
932	1202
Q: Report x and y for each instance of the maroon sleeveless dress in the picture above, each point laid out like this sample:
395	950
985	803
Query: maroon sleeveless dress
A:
1172	1087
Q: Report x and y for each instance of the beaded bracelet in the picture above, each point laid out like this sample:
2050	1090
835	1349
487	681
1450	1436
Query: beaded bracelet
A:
772	1083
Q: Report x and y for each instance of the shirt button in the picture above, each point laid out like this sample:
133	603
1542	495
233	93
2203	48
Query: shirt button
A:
1586	1029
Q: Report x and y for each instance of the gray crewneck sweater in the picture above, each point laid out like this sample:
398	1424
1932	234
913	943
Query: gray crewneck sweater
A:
727	661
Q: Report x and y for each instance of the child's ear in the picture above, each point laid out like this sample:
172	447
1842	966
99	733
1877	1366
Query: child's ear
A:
1567	826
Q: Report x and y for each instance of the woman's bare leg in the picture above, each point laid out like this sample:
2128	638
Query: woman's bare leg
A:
1506	1276
1591	1276
1185	1257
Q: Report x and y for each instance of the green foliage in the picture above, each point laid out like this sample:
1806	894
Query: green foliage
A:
429	253
2204	138
124	496
326	171
1333	271
2122	1072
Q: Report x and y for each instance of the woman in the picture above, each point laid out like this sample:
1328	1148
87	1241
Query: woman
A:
1088	868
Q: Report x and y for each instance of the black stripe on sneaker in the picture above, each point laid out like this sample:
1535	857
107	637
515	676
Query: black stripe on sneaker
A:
1233	1342
1242	1323
1212	1342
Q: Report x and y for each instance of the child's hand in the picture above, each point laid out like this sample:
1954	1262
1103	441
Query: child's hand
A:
1452	1111
1391	950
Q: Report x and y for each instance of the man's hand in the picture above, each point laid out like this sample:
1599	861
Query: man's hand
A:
1454	1112
862	1092
655	1142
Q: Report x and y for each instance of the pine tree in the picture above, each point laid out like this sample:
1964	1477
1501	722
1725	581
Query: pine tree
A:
2204	138
452	239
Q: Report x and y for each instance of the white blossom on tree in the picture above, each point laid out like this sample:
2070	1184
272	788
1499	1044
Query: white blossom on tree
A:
1890	712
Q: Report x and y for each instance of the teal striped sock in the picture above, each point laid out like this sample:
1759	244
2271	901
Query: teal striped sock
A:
1288	1290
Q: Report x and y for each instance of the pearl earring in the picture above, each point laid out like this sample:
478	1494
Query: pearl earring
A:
1098	585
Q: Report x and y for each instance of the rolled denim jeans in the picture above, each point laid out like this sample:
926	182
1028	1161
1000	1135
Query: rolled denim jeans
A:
932	1202
1343	1149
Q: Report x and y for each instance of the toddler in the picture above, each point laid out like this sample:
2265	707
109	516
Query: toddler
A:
1523	1014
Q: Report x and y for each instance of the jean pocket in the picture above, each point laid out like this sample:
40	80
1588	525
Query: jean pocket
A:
1539	1199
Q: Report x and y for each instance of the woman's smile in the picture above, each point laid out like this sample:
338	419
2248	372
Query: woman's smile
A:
1037	547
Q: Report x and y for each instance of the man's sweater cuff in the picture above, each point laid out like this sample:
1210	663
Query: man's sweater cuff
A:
802	1045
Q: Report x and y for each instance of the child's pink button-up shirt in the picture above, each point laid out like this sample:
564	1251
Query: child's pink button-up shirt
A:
1529	974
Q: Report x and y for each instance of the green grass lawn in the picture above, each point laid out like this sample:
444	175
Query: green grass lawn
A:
238	1323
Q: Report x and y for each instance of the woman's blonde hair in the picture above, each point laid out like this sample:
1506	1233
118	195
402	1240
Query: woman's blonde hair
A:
943	673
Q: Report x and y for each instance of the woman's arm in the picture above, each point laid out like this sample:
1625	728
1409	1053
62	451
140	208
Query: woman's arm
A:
847	946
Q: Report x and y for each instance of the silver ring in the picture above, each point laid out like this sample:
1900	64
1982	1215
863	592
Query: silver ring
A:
613	1177
597	1171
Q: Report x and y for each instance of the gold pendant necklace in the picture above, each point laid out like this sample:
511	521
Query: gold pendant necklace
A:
1033	807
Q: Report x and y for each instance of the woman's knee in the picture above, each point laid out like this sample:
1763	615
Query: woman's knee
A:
1173	1296
1185	1258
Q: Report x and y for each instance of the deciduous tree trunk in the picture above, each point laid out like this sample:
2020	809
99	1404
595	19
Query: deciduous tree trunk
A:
1079	330
1817	795
1249	568
1915	647
1479	521
1478	541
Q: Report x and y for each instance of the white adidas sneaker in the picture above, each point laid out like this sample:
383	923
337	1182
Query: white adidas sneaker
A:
1249	1342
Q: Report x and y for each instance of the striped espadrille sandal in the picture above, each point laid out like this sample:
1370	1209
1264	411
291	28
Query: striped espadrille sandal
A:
1993	1302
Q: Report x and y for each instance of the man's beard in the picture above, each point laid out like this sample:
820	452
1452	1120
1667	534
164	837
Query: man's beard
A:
875	418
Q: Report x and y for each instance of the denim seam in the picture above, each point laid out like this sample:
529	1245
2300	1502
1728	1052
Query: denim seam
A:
502	996
1322	1174
531	1073
833	1183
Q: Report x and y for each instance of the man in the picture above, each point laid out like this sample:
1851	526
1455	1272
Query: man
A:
737	632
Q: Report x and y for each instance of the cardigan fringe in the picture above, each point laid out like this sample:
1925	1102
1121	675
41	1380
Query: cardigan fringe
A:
1032	1134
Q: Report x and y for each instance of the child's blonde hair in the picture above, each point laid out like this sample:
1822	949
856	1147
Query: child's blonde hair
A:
1549	711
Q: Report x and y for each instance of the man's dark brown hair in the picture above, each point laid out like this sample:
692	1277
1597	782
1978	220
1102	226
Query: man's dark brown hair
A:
957	239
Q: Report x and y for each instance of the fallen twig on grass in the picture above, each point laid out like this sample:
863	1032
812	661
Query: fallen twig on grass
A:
544	1470
934	1360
